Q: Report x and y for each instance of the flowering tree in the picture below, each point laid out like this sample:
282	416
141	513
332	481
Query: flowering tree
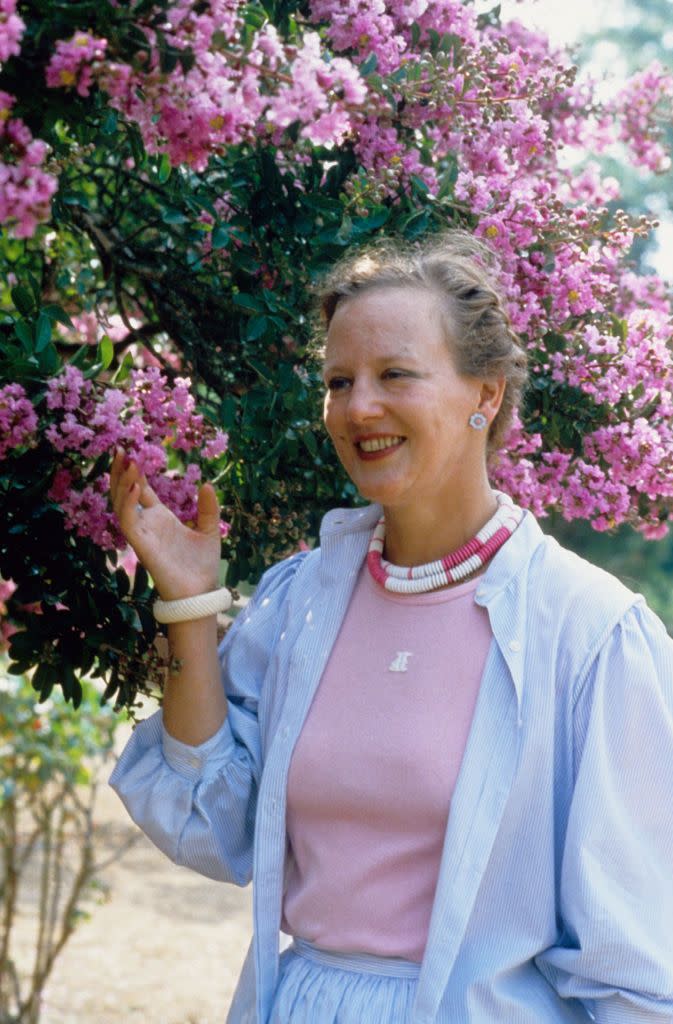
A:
174	177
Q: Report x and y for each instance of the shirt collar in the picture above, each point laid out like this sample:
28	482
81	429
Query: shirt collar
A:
512	559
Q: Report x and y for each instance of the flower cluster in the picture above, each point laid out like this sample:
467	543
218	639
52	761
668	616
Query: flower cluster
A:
226	93
645	99
476	116
83	420
74	62
18	419
11	30
7	628
25	189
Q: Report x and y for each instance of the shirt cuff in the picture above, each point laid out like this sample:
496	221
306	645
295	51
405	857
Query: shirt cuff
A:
191	761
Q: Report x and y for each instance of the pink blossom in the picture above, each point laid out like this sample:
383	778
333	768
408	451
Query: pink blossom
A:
18	419
216	445
25	189
11	30
87	513
74	62
647	96
68	389
7	588
61	484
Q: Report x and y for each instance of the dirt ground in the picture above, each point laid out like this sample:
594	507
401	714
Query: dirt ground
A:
165	947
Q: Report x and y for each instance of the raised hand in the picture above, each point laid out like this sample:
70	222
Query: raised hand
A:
181	561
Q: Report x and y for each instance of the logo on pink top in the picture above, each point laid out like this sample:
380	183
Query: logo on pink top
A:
400	661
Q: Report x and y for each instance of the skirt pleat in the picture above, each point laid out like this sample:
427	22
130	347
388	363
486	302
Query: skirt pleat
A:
320	987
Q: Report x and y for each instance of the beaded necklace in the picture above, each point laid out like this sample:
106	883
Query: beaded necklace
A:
458	565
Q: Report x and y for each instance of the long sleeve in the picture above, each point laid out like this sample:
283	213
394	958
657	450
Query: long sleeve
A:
197	804
616	883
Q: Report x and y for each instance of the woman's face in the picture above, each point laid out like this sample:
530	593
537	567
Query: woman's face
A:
396	408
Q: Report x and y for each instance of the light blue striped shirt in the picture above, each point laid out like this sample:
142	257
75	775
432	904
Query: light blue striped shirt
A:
554	900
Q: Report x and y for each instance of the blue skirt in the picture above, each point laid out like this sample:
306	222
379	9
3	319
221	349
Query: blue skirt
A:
342	988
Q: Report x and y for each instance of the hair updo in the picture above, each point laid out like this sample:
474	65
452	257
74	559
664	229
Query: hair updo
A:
460	271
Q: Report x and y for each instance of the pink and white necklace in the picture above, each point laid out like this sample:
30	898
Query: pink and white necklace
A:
468	559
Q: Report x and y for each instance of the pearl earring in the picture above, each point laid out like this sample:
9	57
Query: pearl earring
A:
478	421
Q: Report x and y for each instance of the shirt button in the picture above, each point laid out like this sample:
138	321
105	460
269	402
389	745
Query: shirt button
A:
195	762
284	732
514	645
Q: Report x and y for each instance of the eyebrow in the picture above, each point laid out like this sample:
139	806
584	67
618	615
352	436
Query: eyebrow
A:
396	357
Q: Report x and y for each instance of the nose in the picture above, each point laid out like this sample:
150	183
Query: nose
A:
364	402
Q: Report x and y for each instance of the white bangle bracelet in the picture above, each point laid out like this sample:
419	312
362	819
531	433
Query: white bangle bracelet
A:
186	609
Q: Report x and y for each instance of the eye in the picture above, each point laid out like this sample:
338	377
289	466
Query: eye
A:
337	383
394	373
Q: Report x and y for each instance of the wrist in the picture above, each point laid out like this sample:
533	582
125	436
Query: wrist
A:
181	591
199	606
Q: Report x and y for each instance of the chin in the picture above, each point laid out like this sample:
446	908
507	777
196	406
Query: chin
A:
385	496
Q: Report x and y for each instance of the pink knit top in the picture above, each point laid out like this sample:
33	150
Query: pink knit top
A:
375	767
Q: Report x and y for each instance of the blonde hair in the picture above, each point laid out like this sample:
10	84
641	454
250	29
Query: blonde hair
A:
460	271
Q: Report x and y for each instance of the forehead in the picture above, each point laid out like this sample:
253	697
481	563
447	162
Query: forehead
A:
383	315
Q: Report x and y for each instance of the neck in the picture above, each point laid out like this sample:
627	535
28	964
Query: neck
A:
419	534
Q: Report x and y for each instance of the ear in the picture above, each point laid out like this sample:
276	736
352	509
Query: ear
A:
491	394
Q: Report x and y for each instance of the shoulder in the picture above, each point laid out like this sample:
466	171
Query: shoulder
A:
574	580
587	605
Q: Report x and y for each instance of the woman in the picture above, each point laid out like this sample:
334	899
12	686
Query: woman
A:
458	779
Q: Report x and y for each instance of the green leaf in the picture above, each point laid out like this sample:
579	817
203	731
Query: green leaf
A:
164	169
49	361
24	333
43	680
369	65
419	184
449	42
416	224
247	302
42	332
124	369
346	230
123	583
55	312
80	356
220	236
23	299
256	327
109	124
376	219
18	668
227	414
311	443
140	582
75	199
106	351
171	215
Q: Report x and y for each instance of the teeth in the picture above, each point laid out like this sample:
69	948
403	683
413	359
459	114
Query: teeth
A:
377	444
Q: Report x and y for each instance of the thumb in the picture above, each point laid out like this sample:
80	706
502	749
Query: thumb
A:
207	510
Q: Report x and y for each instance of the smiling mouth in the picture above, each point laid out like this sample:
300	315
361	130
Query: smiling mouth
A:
377	445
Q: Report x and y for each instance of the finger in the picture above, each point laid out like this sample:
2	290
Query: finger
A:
123	474
128	475
146	496
128	508
116	468
207	510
